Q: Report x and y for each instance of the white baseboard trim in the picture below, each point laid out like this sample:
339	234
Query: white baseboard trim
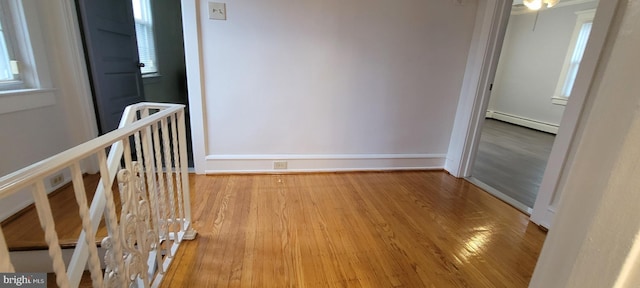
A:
14	203
26	99
223	164
523	121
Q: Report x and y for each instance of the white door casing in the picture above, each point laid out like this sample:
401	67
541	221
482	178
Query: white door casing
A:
195	86
484	53
486	44
561	156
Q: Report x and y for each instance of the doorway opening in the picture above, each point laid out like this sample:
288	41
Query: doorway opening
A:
112	33
537	68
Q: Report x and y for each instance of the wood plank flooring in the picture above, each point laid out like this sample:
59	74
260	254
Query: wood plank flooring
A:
23	232
512	159
377	229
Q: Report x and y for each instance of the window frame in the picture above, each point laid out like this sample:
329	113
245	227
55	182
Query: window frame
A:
583	17
9	33
35	88
147	21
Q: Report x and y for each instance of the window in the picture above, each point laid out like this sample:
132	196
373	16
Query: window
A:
576	58
572	61
9	73
24	72
144	34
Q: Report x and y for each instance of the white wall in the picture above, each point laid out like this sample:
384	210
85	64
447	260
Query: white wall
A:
28	136
333	84
530	66
594	241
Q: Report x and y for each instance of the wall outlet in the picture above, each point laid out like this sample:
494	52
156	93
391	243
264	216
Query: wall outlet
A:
279	165
56	180
217	11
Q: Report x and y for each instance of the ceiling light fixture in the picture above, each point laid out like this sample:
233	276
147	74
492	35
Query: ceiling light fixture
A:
537	4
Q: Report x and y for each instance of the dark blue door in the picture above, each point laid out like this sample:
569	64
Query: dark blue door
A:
109	36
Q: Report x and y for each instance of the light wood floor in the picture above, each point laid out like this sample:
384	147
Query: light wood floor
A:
399	229
23	232
512	159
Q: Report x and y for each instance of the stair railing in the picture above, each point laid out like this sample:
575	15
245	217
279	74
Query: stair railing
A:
148	153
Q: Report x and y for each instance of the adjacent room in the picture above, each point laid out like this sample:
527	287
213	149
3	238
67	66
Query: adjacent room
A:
538	64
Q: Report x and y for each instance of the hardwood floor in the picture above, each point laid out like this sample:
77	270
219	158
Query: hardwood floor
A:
394	229
512	159
23	232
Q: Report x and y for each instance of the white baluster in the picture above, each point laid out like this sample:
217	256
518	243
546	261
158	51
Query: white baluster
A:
90	238
115	269
162	196
5	261
151	188
168	169
96	211
136	140
127	153
175	152
51	237
150	165
191	233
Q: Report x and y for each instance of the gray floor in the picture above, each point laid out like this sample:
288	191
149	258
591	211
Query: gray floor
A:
512	159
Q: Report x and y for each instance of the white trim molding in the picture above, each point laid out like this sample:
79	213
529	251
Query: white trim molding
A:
524	121
195	84
221	164
561	156
26	99
482	62
560	100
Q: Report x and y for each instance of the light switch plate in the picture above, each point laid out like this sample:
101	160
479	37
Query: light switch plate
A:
217	11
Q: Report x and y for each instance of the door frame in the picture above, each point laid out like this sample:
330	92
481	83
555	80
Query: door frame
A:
195	86
484	53
561	156
486	44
